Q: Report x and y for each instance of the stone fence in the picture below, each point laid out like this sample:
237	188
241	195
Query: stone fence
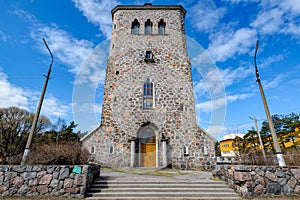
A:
17	180
260	181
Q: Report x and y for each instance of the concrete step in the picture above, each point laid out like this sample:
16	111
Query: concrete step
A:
102	183
155	181
165	189
130	188
140	190
228	195
153	185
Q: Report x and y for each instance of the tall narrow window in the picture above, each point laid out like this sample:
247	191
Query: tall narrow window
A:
148	94
92	150
135	26
148	27
161	27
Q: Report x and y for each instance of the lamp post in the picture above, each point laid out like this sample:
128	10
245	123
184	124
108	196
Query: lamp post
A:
278	151
38	110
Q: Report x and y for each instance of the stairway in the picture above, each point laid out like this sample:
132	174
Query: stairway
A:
151	187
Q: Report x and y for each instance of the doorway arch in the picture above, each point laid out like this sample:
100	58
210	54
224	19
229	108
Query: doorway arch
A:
148	145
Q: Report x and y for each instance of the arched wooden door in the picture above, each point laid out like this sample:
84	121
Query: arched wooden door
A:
148	148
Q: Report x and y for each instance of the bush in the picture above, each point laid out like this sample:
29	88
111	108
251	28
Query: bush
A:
66	153
292	157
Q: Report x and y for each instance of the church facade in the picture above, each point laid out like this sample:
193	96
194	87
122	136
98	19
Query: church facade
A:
148	113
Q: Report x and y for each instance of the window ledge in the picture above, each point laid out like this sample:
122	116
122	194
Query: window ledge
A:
150	34
149	60
148	109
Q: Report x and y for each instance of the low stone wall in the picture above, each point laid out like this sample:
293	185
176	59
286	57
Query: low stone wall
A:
16	180
260	181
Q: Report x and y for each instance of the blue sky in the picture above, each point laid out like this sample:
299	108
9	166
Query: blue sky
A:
221	33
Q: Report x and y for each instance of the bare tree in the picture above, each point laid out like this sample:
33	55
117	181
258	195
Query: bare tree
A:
15	124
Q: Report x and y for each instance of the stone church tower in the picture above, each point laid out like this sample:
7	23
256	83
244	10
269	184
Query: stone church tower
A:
148	112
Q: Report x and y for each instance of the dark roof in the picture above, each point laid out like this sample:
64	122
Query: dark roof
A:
148	7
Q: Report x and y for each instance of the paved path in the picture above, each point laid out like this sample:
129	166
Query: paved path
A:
157	174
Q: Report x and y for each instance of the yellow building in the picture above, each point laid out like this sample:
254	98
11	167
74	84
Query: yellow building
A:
228	149
289	140
226	145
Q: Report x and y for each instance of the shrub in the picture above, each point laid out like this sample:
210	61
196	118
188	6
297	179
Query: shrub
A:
292	157
66	153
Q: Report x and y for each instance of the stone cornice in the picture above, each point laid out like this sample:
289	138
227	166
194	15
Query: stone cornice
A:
148	7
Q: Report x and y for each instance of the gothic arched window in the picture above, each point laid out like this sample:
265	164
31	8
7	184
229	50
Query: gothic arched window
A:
135	26
161	27
148	27
148	94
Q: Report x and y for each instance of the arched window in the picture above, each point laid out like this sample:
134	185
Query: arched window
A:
148	27
148	94
161	27
149	57
111	150
135	26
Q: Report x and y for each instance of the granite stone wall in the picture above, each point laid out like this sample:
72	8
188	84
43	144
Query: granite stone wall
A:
260	181
17	180
173	114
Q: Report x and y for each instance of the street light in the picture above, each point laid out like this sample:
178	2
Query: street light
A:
278	151
38	110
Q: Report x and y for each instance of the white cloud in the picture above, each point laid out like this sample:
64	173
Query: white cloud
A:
92	69
206	15
82	59
53	108
231	76
211	82
225	45
25	15
3	36
66	48
216	130
270	60
98	12
80	56
293	5
278	16
12	95
241	1
269	22
209	106
236	97
275	82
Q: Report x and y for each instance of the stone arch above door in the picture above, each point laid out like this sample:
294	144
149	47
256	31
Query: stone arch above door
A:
148	145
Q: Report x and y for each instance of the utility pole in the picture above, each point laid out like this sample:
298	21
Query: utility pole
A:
38	110
278	151
259	137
